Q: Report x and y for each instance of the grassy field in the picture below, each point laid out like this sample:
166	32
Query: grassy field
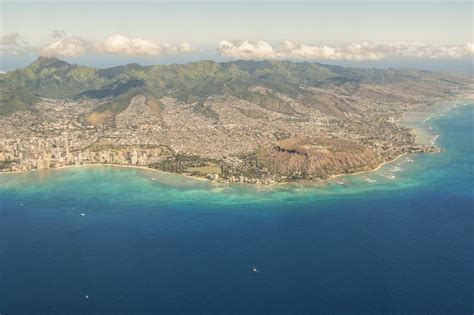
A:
209	169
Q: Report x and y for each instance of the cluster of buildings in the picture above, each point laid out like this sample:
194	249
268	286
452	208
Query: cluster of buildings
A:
222	129
40	153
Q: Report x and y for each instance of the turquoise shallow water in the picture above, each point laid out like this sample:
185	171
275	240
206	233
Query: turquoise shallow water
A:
396	240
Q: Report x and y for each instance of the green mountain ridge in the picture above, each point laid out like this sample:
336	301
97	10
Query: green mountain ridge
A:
190	83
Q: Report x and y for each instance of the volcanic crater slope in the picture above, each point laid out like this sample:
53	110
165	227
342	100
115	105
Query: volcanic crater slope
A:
316	157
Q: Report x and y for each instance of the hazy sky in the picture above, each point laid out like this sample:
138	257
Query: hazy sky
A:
183	31
208	23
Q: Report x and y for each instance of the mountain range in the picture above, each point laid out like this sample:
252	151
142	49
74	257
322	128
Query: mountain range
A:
195	82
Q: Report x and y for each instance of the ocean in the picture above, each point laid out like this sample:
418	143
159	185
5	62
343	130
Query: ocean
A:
103	239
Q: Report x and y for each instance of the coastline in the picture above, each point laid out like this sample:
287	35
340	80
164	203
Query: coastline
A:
144	168
420	117
414	124
372	170
437	109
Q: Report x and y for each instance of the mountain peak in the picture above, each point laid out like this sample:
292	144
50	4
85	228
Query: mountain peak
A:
44	59
42	62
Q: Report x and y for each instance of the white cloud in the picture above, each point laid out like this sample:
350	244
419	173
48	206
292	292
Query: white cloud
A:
247	49
115	44
122	45
470	48
352	51
10	39
67	46
12	45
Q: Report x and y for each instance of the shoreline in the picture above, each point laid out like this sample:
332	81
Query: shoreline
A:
143	168
443	107
372	170
419	124
149	169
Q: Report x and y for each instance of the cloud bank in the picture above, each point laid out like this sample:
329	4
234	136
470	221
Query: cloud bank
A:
352	51
73	46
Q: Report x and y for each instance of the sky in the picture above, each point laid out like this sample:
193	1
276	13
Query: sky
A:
427	34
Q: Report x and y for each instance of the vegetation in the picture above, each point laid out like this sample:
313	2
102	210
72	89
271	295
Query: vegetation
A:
203	170
5	164
14	99
192	82
193	164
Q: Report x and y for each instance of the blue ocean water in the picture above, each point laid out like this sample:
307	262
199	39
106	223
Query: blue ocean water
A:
110	240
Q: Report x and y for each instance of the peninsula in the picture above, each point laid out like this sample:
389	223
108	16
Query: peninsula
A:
241	121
